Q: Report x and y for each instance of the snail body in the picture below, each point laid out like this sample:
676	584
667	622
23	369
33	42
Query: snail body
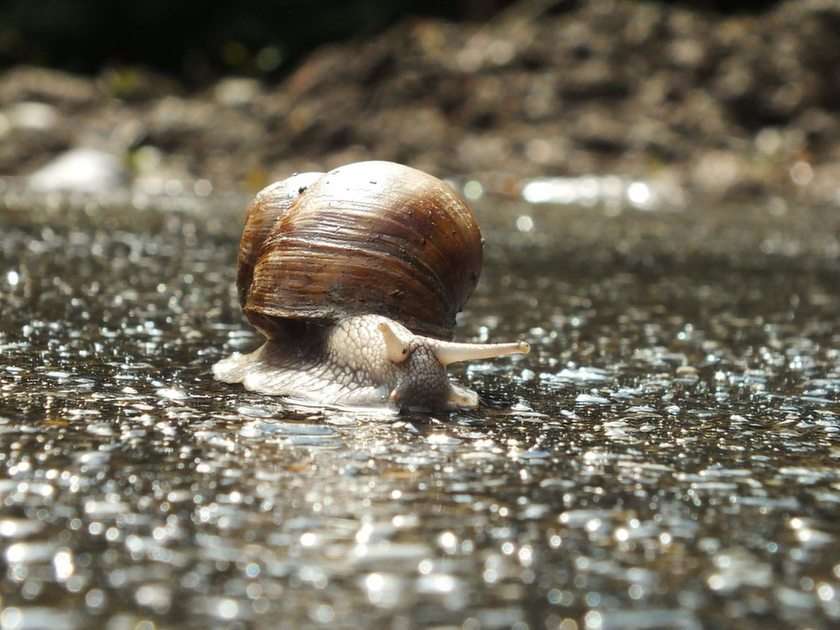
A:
355	277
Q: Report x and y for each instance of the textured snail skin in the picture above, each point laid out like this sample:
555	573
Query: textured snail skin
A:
347	364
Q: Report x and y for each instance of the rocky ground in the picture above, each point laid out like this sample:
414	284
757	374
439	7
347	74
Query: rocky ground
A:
723	106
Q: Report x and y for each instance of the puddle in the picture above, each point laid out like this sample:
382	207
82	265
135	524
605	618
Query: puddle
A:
667	456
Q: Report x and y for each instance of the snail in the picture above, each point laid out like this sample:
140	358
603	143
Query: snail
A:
354	277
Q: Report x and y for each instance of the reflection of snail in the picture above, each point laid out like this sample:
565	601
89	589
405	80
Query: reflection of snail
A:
343	272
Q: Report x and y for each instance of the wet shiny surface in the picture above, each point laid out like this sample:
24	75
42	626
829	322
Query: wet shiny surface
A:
667	457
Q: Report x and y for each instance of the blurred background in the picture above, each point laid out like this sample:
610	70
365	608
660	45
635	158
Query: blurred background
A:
710	98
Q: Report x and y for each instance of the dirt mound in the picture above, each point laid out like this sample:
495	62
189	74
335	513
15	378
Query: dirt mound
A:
722	105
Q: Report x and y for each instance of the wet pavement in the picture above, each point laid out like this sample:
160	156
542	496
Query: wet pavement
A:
667	457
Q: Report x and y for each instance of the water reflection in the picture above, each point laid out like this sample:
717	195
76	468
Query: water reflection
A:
667	457
591	191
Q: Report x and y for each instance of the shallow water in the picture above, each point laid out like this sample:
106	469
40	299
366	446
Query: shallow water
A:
667	457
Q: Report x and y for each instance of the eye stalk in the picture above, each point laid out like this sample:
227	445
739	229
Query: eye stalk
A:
396	349
450	352
446	352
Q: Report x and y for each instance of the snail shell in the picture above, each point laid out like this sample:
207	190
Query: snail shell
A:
369	237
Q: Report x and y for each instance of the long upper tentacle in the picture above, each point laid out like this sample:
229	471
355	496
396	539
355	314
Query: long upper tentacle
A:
450	352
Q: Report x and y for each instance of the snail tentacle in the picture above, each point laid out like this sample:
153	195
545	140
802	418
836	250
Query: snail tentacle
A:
448	352
395	348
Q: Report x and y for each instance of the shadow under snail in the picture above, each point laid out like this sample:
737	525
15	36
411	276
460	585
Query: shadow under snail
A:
354	277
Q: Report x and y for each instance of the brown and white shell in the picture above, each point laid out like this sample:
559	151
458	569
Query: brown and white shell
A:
366	238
